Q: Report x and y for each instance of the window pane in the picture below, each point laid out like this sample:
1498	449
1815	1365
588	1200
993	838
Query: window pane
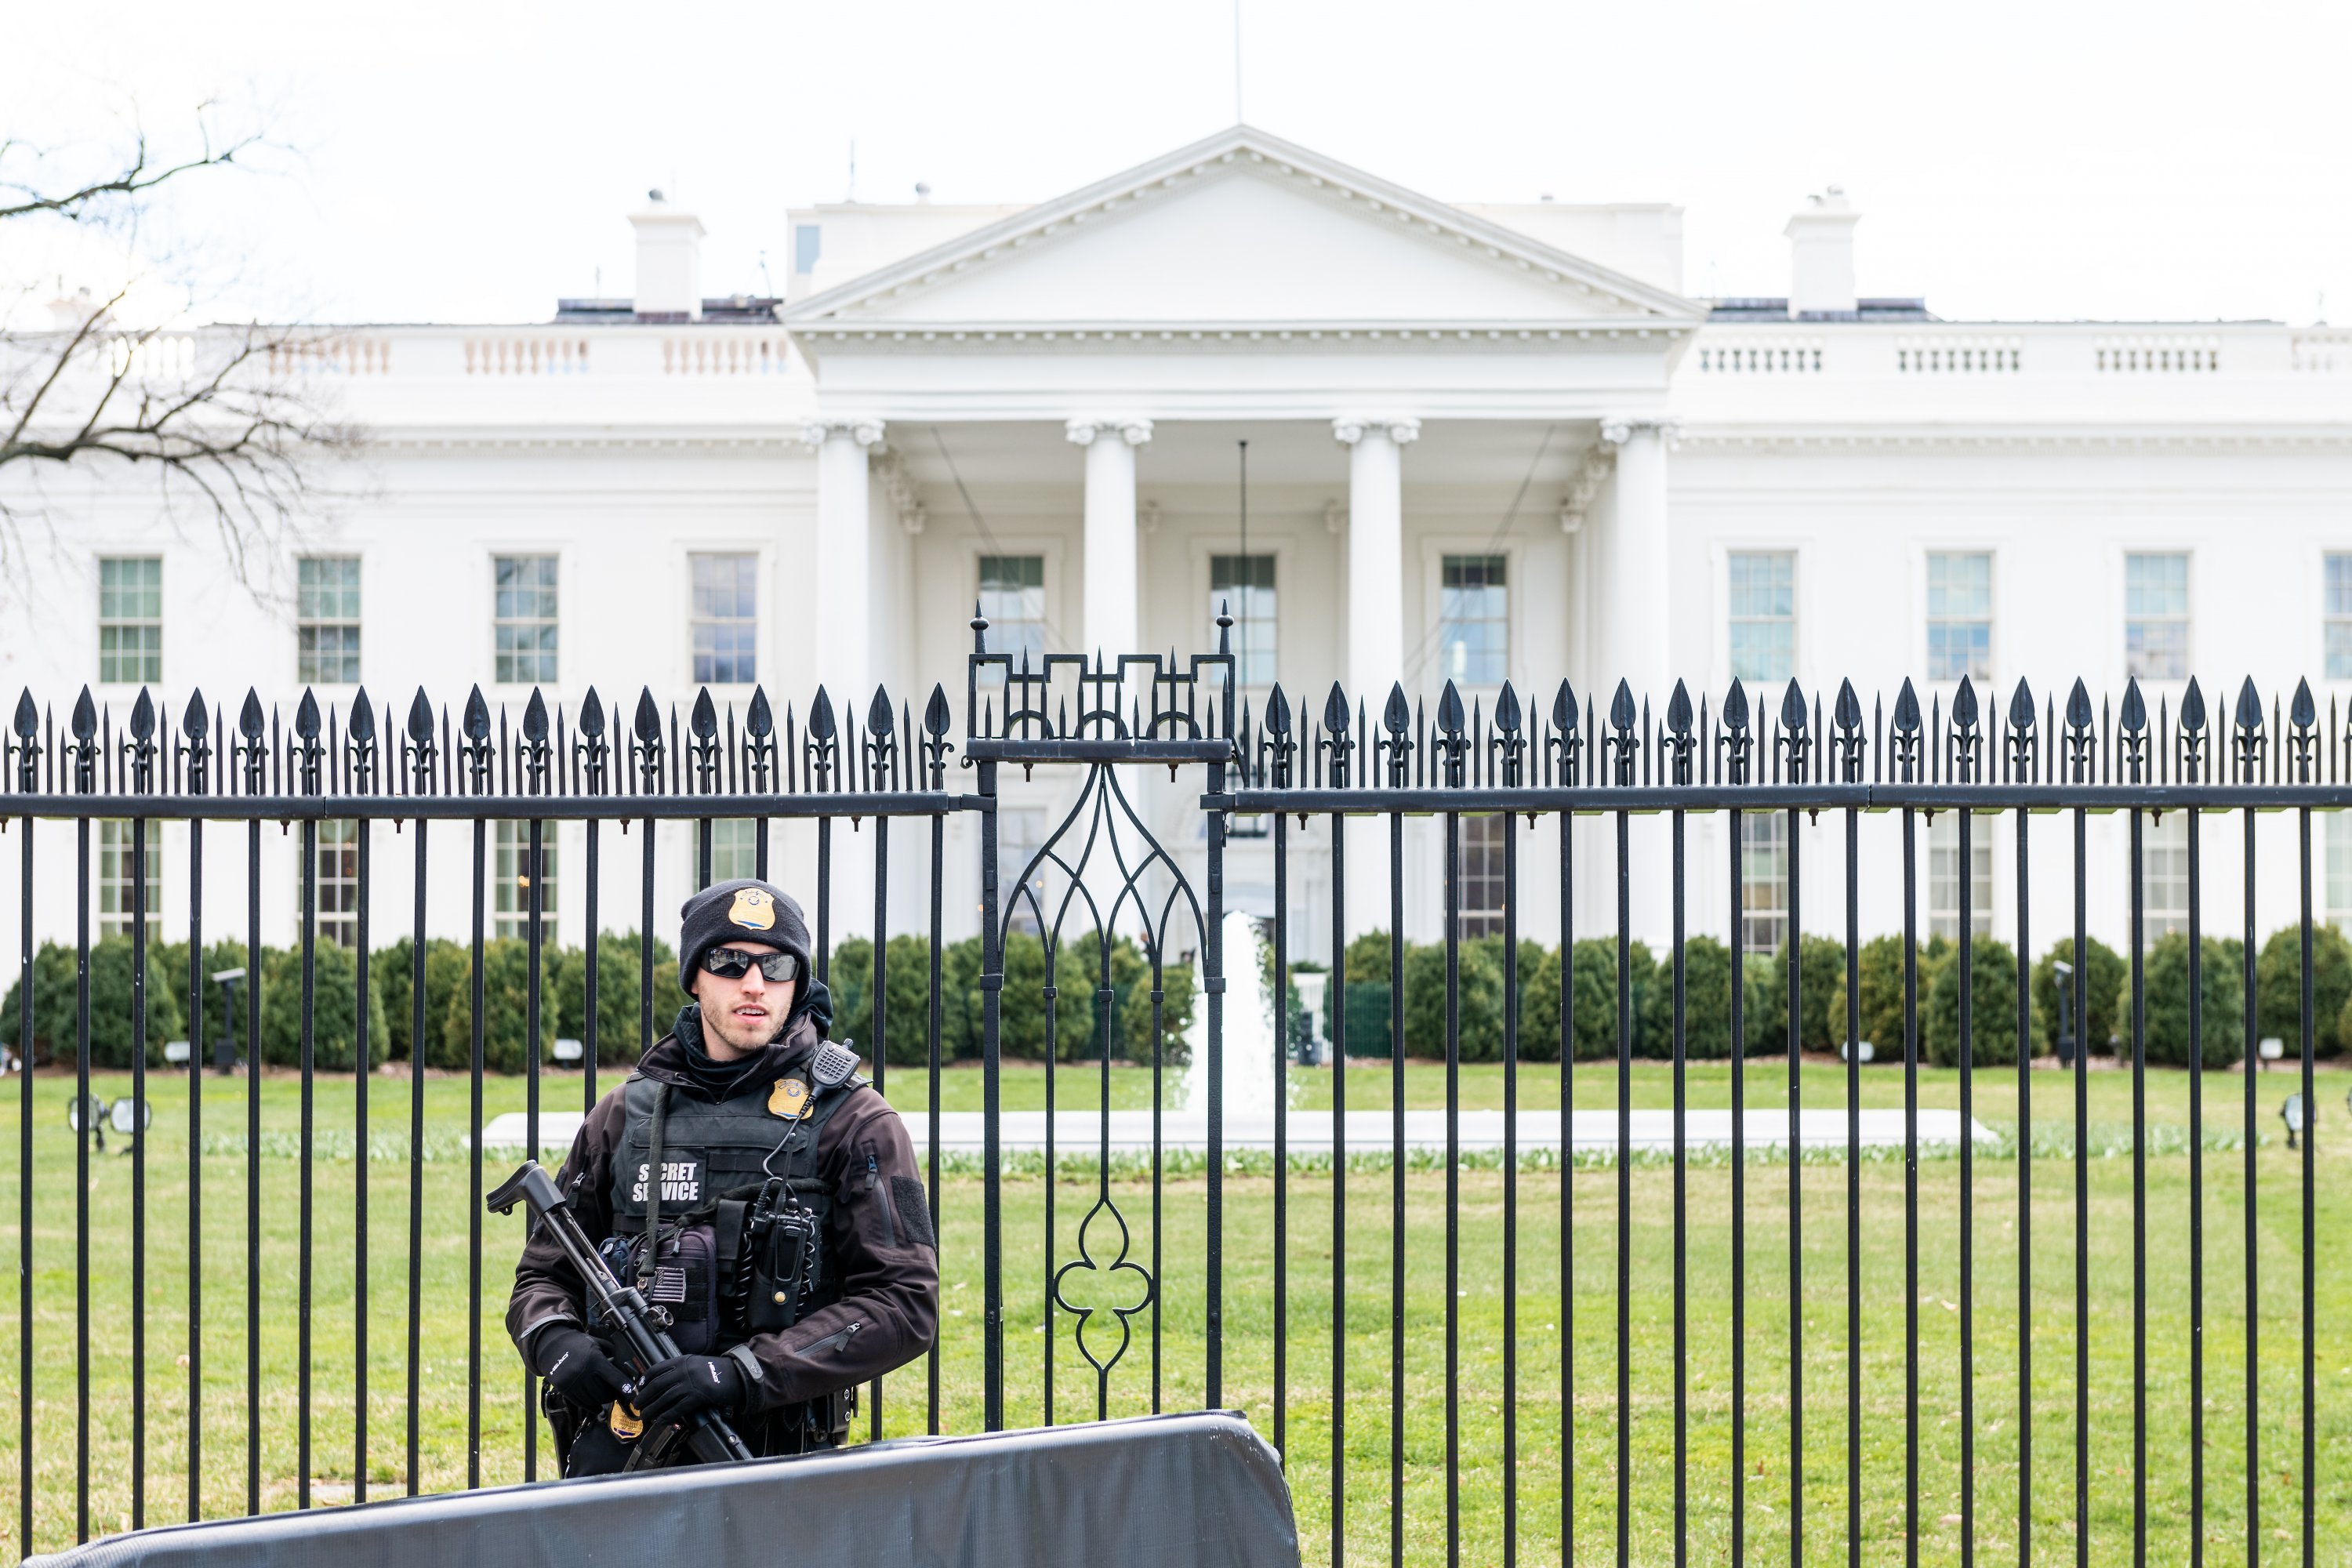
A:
1021	832
2339	871
1242	587
2164	874
118	891
2155	611
512	877
1481	873
1959	615
1763	631
129	620
1944	882
1474	621
337	883
2337	627
726	628
525	626
1013	601
734	848
1763	880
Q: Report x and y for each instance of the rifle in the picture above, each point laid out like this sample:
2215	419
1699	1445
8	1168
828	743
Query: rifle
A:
712	1439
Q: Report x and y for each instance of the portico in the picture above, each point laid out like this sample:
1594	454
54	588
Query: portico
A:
1414	381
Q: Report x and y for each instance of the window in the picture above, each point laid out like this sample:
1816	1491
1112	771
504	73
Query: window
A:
2164	874
1944	878
2339	871
2155	616
1242	587
525	618
1482	875
117	902
511	880
1763	614
327	621
725	619
1013	602
734	848
1959	617
339	883
1474	621
1020	833
2337	627
808	243
1763	880
131	620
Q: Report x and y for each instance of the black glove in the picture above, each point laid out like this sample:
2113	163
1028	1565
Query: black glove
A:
577	1365
683	1386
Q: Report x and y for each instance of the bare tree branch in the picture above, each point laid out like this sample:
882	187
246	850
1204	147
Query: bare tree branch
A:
230	421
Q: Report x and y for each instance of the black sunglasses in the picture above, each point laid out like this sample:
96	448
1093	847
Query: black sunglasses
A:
731	963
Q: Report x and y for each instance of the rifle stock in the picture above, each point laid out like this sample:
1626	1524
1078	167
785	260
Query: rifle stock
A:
711	1437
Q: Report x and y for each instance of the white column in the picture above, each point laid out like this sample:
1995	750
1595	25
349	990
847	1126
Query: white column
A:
842	607
1638	644
1111	624
1376	631
1375	555
1635	587
842	611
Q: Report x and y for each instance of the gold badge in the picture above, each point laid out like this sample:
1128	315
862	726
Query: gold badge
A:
788	1098
753	909
626	1424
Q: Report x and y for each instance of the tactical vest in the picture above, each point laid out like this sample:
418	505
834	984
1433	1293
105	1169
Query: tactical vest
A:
744	1172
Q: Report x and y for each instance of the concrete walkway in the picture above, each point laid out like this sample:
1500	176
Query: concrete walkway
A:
1081	1132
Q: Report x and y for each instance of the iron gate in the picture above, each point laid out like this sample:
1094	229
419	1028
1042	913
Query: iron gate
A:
1526	1441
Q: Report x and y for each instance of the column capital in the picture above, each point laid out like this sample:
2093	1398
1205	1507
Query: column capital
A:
1350	428
864	429
1083	431
1616	429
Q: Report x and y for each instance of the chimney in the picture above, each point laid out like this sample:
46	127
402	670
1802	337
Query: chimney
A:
669	262
1821	258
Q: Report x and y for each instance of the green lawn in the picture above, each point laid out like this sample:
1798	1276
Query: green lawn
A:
1248	1340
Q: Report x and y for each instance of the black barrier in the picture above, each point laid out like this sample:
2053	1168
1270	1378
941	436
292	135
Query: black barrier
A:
1199	1490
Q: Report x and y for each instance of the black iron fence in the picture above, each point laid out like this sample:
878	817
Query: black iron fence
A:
1471	1334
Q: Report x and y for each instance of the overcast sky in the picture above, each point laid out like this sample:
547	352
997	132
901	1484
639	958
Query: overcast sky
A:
471	162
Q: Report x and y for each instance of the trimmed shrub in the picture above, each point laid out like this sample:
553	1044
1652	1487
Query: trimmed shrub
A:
2278	988
334	1010
621	993
2223	1020
1879	968
506	1015
1992	1007
2104	974
56	1005
1480	993
1707	1004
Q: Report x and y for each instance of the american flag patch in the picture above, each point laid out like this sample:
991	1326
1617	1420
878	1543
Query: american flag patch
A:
669	1284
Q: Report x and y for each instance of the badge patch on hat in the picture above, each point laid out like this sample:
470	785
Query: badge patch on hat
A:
753	909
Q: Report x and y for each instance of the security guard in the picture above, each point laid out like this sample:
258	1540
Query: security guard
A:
762	1198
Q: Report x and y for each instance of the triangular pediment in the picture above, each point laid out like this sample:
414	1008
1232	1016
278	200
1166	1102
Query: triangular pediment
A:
1246	230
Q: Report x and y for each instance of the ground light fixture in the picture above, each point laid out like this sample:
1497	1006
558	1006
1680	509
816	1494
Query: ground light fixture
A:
2292	1114
225	1047
128	1116
2064	972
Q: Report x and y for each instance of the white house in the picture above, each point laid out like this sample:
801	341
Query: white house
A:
1483	443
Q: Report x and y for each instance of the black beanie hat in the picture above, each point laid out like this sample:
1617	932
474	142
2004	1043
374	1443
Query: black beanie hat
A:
743	910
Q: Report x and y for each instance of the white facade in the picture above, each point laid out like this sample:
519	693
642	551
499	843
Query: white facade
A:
1424	389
